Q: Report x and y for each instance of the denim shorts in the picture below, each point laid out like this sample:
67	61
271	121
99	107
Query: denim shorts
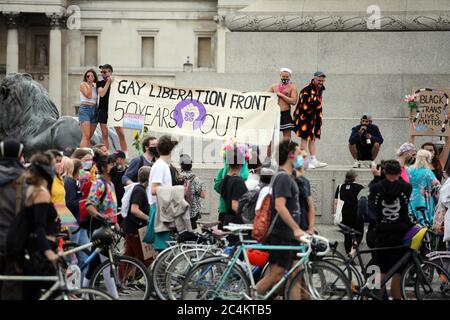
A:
87	114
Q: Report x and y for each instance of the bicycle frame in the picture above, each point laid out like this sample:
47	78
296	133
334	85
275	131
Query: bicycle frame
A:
243	249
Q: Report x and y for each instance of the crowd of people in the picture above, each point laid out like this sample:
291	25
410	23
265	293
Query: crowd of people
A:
404	192
149	191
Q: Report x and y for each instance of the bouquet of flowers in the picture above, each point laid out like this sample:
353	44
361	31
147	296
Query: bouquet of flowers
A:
138	137
411	100
242	148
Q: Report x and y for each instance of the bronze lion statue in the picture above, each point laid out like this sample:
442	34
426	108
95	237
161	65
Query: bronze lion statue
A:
28	114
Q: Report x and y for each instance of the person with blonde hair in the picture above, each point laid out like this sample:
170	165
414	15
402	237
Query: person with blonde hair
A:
425	186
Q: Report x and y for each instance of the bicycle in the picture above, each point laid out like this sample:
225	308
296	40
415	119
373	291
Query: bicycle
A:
419	274
224	277
63	287
122	276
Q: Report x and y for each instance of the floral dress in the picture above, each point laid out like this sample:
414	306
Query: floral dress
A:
425	187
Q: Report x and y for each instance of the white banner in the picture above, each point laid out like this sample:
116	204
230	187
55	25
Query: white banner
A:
210	113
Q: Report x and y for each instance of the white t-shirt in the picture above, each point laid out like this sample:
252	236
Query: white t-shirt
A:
160	173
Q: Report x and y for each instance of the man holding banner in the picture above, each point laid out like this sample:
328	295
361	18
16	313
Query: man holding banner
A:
104	89
287	96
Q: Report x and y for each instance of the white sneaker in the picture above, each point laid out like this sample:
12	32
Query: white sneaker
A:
356	164
317	164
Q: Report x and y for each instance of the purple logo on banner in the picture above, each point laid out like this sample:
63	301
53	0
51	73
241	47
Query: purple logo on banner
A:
190	115
133	121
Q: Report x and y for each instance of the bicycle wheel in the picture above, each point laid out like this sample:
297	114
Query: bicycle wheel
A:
350	271
158	271
82	294
321	281
202	282
431	282
178	268
130	276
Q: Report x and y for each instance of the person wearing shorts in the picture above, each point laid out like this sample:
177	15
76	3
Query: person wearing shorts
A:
87	113
287	96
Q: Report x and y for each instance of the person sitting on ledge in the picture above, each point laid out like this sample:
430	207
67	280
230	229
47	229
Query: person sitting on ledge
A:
365	141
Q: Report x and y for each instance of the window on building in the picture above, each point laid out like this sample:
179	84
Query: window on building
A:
204	57
148	52
90	50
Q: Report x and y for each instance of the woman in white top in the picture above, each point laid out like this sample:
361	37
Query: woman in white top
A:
87	113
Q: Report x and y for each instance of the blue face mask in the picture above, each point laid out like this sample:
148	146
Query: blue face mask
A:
298	163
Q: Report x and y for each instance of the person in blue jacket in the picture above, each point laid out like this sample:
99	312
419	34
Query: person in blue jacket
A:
365	141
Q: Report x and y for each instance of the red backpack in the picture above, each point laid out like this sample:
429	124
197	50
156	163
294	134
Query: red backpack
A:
262	224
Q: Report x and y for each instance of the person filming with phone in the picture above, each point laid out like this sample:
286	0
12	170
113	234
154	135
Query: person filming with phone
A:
365	141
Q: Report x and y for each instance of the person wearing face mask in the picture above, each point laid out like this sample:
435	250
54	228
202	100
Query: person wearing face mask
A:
117	173
425	187
286	229
305	199
287	96
149	157
406	157
308	117
348	192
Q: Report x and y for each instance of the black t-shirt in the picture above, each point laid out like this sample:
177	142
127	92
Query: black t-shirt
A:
391	201
304	191
116	179
349	194
133	223
103	101
232	188
286	187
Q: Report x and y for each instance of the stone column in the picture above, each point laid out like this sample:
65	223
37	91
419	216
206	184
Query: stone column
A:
55	68
12	44
221	33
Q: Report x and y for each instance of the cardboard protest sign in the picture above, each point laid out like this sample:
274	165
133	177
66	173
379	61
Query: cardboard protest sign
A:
430	117
210	113
147	249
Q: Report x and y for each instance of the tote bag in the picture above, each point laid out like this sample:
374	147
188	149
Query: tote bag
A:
339	206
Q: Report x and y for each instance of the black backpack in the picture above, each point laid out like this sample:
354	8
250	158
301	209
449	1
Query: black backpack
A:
247	205
18	231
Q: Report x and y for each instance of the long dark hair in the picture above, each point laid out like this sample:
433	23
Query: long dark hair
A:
435	161
93	72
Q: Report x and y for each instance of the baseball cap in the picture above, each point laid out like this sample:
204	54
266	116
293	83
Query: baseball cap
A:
11	148
366	117
319	74
106	66
268	169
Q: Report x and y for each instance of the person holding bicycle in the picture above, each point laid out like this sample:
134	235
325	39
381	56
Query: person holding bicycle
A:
391	199
286	229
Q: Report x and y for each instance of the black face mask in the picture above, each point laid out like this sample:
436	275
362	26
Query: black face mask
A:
154	151
284	81
411	161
